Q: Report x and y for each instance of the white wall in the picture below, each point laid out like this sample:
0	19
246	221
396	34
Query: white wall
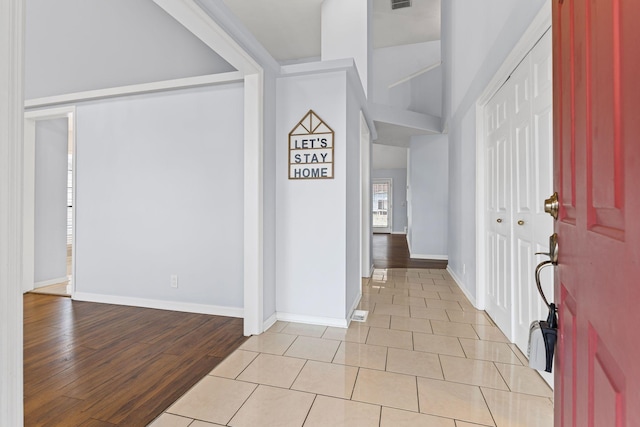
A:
389	157
159	192
76	45
399	196
428	197
423	93
426	92
346	33
476	39
50	246
311	223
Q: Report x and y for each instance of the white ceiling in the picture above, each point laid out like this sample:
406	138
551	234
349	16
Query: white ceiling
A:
290	29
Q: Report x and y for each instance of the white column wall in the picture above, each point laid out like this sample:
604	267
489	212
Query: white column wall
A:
51	160
11	189
269	198
345	33
353	172
311	220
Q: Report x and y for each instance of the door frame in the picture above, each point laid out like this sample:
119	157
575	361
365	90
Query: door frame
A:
29	174
539	26
389	206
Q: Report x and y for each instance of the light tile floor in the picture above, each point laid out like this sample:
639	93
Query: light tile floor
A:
424	357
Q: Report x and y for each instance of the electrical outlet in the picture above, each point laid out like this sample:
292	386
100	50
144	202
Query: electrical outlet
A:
174	280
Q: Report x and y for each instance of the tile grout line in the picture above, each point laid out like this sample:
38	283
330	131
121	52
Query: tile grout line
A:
243	403
417	394
501	376
354	385
488	407
298	375
441	368
315	397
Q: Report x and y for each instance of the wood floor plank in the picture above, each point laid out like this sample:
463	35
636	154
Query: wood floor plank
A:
50	410
155	402
392	251
100	365
199	338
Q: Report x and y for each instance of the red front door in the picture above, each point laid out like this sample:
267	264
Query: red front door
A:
597	173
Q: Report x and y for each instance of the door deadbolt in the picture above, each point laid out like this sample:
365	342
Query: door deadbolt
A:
551	205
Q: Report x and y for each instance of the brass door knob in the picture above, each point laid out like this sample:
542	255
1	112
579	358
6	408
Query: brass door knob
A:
551	205
499	220
520	222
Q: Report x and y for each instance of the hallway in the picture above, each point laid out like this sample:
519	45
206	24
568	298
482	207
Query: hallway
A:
424	356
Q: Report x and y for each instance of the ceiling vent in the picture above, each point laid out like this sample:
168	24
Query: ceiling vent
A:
399	4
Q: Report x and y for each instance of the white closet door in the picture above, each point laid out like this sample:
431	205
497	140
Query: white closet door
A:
538	226
518	152
524	201
498	202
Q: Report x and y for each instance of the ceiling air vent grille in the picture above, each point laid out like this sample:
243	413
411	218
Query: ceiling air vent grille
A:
399	4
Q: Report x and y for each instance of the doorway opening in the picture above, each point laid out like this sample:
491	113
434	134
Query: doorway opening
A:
382	221
49	201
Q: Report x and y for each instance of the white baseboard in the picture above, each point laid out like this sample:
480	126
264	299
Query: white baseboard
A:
437	257
186	307
460	283
269	322
313	320
398	232
51	282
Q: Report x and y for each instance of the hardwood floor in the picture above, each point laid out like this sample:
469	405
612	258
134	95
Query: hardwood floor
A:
391	251
98	365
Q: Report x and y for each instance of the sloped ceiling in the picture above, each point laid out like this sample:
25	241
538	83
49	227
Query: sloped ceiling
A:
79	45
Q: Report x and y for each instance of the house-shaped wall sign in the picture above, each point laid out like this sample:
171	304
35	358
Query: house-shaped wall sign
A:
311	149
